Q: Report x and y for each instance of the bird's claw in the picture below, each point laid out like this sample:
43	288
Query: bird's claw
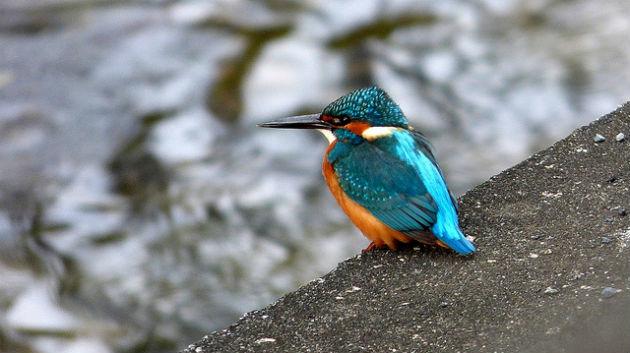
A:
370	247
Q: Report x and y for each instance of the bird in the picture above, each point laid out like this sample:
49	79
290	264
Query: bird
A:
383	173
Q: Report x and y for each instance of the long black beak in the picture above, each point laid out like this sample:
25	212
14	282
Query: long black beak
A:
310	121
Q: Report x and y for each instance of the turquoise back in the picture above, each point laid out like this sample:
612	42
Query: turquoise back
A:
397	179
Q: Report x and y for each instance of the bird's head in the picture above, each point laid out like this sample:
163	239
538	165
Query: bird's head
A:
367	112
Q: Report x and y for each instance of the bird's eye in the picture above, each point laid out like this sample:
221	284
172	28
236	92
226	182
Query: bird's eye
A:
340	120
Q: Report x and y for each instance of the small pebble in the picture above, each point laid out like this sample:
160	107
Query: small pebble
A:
577	275
353	289
599	138
622	212
553	331
198	349
550	290
606	240
609	292
443	304
265	340
536	236
620	137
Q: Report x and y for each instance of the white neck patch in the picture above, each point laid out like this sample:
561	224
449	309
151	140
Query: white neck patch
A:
328	135
370	134
377	132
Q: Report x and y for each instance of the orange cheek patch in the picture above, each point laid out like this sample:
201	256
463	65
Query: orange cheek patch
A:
357	127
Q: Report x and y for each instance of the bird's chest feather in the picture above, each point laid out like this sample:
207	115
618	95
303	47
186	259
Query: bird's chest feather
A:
353	168
367	223
358	166
348	161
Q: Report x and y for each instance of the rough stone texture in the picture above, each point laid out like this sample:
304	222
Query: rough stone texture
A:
534	286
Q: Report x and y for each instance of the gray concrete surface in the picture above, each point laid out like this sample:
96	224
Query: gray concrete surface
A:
552	273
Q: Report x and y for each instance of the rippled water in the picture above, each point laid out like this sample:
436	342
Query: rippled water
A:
140	207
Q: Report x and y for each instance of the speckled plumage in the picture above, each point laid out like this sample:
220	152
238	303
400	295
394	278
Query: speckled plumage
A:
395	178
383	173
370	104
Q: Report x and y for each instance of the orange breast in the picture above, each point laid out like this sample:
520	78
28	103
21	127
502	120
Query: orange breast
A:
369	225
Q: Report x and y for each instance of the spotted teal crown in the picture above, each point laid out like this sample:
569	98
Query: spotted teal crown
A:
371	105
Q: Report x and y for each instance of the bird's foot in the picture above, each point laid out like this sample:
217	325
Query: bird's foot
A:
371	247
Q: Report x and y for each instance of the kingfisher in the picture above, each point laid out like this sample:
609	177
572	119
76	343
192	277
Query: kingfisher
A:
383	173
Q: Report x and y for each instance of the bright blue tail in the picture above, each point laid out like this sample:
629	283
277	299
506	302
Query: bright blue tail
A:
454	238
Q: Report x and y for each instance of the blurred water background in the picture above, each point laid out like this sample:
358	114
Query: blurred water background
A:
141	208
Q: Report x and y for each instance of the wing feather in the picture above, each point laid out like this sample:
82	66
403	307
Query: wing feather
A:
387	187
425	146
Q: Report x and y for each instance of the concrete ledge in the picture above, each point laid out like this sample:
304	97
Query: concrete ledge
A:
552	273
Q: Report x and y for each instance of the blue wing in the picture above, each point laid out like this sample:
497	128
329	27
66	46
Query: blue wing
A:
387	187
414	149
390	177
425	147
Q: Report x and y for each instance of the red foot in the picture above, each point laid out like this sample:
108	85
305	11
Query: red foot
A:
370	247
